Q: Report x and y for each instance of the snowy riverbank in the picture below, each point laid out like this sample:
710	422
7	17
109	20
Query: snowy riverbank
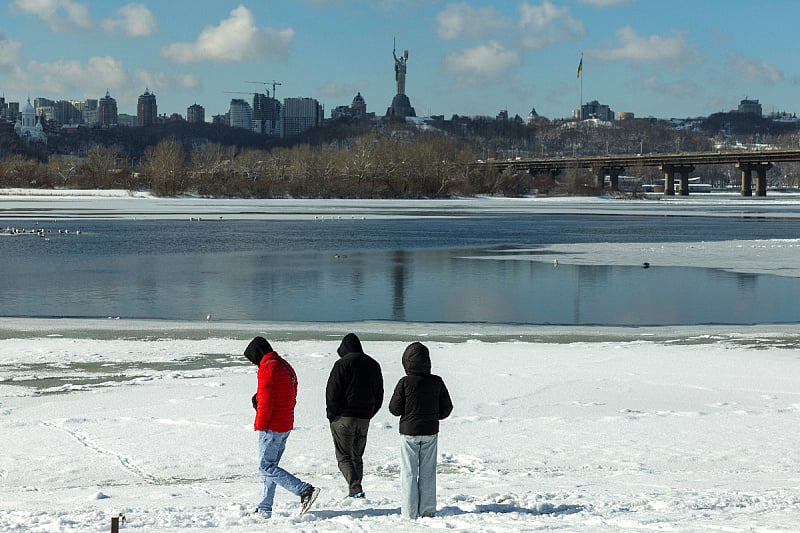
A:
569	429
591	429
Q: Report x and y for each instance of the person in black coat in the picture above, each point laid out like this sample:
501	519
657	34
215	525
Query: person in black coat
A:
353	395
421	400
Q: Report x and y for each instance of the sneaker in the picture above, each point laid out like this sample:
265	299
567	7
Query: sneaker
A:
261	514
308	498
359	494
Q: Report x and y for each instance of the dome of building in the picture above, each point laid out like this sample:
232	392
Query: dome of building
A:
29	127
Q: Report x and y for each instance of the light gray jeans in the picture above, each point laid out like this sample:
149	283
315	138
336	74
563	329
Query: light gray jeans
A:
418	475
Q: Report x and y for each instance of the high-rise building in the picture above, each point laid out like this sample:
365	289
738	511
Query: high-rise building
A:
107	111
750	106
300	114
13	111
595	109
240	114
42	102
266	114
89	113
68	112
146	109
195	113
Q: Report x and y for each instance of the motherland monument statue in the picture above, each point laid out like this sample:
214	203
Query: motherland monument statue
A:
401	105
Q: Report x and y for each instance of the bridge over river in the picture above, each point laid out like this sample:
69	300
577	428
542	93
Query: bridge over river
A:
672	165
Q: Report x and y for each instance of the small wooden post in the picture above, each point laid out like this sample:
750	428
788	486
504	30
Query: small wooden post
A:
115	524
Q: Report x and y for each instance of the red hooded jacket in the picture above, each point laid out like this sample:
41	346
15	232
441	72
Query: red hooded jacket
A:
276	395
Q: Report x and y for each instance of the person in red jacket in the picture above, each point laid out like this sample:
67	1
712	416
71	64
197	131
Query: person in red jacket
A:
274	403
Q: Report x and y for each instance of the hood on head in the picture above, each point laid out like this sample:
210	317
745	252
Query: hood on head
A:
350	344
417	359
257	349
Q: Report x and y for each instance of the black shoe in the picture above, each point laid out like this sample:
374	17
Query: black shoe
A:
359	494
308	498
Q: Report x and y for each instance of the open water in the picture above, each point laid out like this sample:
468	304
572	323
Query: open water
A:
413	270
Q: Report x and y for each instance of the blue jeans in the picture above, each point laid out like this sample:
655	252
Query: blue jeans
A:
270	450
418	475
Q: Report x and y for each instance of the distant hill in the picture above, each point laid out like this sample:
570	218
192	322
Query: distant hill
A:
133	141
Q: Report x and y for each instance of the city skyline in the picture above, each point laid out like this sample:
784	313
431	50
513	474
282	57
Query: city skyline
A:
468	58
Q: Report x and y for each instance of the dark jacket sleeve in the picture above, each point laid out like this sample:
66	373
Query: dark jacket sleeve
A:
397	405
445	403
333	393
378	392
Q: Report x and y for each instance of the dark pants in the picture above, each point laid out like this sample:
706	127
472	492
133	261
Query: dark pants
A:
349	441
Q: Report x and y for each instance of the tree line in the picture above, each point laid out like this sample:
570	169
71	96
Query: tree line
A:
355	160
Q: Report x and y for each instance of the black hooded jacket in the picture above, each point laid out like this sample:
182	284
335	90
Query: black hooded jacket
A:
355	385
420	398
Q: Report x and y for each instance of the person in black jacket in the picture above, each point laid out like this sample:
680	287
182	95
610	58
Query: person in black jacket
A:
420	399
353	395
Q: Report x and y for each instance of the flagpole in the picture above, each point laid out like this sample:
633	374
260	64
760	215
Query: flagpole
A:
580	103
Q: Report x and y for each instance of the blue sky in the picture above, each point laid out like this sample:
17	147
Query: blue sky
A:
662	58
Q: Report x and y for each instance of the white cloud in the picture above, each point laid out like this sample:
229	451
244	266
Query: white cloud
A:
675	88
158	80
671	51
234	39
60	15
73	77
135	20
10	54
754	70
547	24
457	20
483	63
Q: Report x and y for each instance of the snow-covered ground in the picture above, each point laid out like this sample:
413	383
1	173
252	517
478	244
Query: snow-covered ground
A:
32	204
571	429
554	429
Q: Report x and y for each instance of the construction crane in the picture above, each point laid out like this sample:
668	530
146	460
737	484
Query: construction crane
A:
239	92
273	82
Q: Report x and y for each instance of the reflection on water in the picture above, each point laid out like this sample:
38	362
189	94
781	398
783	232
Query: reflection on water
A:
296	273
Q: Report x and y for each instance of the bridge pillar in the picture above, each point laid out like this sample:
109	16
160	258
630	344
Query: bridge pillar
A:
552	173
747	177
613	173
599	177
761	178
684	172
669	181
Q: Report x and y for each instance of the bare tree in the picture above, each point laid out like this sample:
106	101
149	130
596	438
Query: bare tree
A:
17	171
98	166
165	165
63	169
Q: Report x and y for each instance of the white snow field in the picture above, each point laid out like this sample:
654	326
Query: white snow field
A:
590	429
565	429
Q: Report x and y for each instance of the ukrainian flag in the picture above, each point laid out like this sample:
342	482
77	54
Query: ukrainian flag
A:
580	68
